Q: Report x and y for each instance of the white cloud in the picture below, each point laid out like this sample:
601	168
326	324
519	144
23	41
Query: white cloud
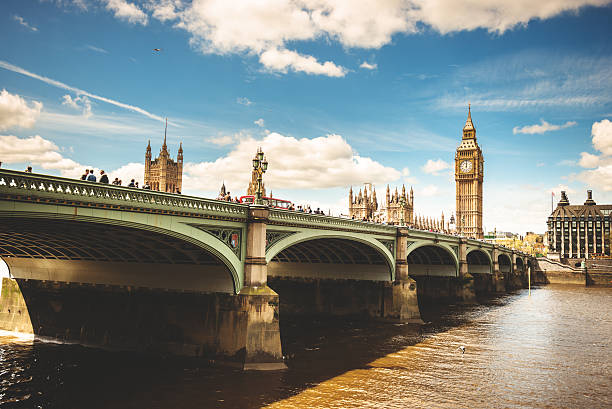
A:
257	27
223	140
244	101
493	15
282	60
36	151
366	65
128	172
39	152
260	122
601	174
433	167
164	10
602	136
127	11
588	160
14	111
600	177
24	23
81	103
542	127
318	163
96	49
58	84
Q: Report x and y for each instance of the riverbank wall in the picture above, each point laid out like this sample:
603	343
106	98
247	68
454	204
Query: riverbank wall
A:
596	273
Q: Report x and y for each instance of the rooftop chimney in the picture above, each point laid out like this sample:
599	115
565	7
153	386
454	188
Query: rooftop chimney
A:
589	200
563	201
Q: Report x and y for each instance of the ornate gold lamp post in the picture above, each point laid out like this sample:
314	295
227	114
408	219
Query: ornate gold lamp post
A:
260	165
402	204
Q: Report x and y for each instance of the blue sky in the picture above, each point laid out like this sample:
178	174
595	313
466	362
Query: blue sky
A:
337	93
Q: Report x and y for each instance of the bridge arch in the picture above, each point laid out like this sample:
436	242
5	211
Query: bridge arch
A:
325	254
505	263
479	262
520	265
36	245
432	259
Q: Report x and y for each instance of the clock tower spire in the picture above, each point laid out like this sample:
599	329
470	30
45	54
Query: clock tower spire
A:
469	173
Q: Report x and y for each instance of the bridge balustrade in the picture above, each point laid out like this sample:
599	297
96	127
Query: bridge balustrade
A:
68	191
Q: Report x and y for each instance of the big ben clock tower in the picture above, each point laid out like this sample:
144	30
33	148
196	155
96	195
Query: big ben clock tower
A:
468	177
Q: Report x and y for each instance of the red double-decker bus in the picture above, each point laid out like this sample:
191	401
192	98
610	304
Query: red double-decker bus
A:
270	201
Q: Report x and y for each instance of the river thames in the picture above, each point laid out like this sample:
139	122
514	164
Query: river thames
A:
548	350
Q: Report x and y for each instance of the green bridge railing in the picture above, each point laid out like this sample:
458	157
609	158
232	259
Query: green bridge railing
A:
70	190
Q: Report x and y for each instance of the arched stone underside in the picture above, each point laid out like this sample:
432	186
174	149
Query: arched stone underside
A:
478	262
520	265
330	258
432	260
505	263
94	253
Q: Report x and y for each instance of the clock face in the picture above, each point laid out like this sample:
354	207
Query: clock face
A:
465	166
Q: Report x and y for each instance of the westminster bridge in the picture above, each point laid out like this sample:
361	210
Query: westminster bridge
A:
129	268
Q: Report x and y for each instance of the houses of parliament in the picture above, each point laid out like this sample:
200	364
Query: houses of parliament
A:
163	173
398	207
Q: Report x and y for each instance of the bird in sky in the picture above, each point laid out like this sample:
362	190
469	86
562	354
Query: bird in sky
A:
157	49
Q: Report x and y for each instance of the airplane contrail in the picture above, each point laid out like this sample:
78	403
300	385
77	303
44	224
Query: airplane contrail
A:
58	84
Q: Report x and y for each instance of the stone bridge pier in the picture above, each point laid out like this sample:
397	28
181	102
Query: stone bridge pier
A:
499	278
401	300
260	303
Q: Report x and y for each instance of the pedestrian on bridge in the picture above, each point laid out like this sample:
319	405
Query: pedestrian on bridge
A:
103	177
91	177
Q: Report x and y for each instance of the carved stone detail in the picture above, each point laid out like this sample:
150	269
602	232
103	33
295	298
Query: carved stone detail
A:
389	244
230	237
273	236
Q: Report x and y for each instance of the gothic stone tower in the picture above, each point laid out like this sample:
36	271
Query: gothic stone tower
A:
393	207
364	205
469	177
163	173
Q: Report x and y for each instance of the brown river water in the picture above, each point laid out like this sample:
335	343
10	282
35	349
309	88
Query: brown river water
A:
550	349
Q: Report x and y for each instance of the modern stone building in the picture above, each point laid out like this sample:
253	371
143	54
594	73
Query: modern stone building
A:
163	173
579	231
469	173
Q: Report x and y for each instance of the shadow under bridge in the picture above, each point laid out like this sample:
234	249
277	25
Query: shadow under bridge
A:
330	276
330	258
432	260
478	262
115	255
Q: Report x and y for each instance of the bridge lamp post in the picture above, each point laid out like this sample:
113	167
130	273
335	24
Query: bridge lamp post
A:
260	165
